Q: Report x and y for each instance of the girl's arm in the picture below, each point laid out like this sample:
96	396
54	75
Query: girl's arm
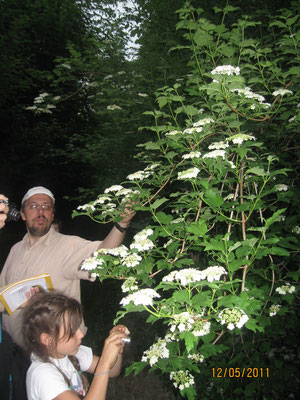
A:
111	358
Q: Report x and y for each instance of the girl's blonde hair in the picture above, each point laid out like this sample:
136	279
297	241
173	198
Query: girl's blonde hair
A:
45	313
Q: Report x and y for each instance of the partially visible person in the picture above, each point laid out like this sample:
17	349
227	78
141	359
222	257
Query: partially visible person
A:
3	210
13	363
57	224
52	335
43	250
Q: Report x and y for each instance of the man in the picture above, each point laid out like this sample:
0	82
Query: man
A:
43	250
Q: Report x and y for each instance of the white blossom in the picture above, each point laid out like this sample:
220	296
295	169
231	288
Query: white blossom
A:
196	357
129	285
91	263
240	138
156	351
113	107
143	95
214	273
182	379
218	146
131	260
195	129
215	154
249	94
102	200
281	187
274	309
226	70
229	197
113	188
284	289
139	175
281	92
203	121
86	207
141	297
173	133
296	230
185	276
189	173
192	154
233	318
108	77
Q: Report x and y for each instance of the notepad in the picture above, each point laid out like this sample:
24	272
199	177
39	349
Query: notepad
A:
14	296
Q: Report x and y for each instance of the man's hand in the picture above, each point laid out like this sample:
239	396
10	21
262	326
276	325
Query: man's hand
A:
3	211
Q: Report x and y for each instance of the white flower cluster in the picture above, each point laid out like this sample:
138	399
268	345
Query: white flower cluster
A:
184	276
129	285
284	289
138	176
281	92
131	260
281	187
233	318
183	322
192	154
91	263
240	138
296	230
190	275
46	109
113	188
173	133
182	379
274	309
226	70
203	121
218	146
249	94
196	357
113	107
121	251
156	351
193	129
215	154
141	241
141	297
214	273
189	173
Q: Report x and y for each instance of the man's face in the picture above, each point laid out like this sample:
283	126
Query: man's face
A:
38	213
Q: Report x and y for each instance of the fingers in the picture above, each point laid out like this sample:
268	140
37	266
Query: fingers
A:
3	210
120	328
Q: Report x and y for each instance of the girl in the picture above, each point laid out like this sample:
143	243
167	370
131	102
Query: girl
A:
53	338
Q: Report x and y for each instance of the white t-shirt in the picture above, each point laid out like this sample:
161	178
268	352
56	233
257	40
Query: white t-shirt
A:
45	382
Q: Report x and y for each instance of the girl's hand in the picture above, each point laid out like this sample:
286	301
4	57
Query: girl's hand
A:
120	328
113	346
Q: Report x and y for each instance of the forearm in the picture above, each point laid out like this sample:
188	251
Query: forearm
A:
116	369
98	388
114	238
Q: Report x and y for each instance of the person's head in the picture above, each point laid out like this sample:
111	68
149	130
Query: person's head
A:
51	325
37	210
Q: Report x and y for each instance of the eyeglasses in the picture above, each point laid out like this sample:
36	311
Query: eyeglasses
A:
35	207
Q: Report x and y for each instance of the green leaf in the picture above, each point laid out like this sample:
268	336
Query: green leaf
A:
158	203
213	198
279	251
256	171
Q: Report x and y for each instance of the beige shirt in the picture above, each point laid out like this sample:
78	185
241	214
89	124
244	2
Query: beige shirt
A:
56	254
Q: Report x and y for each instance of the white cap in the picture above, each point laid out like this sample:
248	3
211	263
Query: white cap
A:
37	190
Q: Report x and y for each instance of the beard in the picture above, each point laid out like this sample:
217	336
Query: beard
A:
39	231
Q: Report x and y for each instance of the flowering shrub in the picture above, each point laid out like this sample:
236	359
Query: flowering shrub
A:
212	264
